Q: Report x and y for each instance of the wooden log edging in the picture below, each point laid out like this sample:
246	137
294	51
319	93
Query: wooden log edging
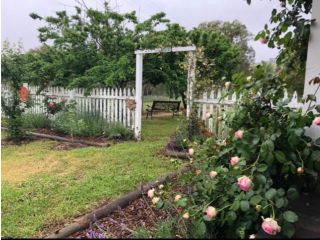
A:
53	137
181	155
102	212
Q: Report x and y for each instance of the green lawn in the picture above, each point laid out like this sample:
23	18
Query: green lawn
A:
42	187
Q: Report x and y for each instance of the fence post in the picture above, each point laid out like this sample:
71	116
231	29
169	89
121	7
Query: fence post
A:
138	91
191	80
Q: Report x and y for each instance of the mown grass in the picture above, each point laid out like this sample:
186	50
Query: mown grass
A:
42	187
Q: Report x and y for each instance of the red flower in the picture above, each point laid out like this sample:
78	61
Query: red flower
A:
51	104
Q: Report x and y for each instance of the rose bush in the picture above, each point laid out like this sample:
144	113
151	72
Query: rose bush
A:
258	169
52	105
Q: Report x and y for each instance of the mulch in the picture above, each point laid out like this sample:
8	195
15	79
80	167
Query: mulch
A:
121	223
141	213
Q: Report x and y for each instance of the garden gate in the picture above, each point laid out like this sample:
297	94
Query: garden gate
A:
139	70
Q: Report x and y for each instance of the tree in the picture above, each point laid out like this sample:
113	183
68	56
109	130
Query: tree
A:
239	35
217	58
93	48
290	33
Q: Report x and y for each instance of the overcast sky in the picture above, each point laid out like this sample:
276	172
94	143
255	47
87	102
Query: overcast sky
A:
16	23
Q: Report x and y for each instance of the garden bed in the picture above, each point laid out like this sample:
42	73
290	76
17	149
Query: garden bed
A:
174	150
68	142
142	219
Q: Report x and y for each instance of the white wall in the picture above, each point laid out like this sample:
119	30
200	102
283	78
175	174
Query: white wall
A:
313	63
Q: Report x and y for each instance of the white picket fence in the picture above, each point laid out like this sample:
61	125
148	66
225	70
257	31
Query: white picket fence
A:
109	103
212	104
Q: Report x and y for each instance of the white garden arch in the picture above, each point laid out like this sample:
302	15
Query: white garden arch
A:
139	76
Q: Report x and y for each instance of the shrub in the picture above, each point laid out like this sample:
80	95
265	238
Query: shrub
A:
117	131
246	181
189	131
35	120
52	105
89	125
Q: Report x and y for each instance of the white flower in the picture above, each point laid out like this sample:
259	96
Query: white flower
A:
213	174
186	215
161	186
155	200
177	198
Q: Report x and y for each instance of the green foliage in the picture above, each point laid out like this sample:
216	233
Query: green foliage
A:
276	158
12	106
35	120
217	57
290	32
52	106
189	131
239	35
92	48
87	124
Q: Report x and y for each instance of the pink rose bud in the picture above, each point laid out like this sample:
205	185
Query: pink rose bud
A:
155	200
270	226
186	215
239	134
263	40
151	193
244	183
234	160
213	174
177	198
211	212
191	151
316	121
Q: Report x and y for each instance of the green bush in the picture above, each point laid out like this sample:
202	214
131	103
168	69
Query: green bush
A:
35	120
189	131
245	182
89	125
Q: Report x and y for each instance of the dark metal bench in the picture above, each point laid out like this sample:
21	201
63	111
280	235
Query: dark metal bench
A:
164	106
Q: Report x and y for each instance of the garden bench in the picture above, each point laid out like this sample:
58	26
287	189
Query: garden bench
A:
163	106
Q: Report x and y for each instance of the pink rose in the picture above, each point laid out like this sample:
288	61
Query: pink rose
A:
316	121
151	193
213	174
211	212
239	134
234	160
270	226
191	151
244	183
51	104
